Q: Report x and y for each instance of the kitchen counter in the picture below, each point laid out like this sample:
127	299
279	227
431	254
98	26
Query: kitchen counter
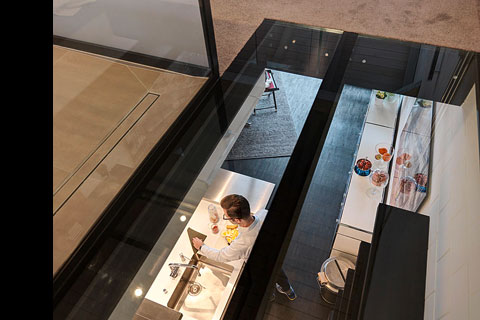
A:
226	182
358	213
413	130
359	210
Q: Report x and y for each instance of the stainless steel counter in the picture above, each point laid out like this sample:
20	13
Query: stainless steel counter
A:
211	304
226	182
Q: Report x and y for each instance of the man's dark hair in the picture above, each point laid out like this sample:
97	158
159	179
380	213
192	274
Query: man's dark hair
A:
236	205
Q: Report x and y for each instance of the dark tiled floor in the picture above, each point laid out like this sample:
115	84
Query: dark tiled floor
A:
311	241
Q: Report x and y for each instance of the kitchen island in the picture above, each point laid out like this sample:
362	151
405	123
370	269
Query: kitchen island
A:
405	124
358	213
207	295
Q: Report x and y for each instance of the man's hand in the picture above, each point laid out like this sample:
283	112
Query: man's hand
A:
197	243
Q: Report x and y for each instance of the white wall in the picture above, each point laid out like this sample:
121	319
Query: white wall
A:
453	265
169	29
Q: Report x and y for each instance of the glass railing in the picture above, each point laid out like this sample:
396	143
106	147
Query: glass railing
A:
111	62
143	224
162	33
125	77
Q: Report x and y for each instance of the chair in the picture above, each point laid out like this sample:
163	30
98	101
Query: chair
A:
270	89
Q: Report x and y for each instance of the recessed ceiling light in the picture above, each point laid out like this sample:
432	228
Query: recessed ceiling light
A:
183	218
326	54
138	292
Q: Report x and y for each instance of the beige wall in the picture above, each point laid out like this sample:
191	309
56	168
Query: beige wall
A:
453	265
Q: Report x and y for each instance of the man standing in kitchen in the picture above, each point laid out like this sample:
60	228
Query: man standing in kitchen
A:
236	209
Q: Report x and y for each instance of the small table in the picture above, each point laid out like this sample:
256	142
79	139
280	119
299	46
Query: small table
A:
269	90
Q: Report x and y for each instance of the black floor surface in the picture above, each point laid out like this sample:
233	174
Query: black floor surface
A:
312	239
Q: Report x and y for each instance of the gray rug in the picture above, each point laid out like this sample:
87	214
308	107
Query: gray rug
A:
271	134
300	92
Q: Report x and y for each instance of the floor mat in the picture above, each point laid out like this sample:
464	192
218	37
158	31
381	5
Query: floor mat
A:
270	133
274	133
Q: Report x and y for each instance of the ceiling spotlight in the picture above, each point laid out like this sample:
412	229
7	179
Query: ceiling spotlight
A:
363	61
286	47
138	292
183	218
293	41
326	54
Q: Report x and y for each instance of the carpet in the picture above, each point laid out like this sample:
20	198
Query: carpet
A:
300	92
454	24
270	134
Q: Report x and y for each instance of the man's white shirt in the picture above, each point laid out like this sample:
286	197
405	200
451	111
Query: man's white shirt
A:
241	247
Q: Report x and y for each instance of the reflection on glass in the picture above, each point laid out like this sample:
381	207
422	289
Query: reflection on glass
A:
165	29
412	161
378	179
383	154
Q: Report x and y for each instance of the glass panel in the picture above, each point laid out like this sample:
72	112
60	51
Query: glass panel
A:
410	69
411	166
127	260
413	69
169	30
128	257
296	49
121	79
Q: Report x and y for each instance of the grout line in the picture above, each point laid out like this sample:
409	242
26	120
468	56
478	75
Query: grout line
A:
135	75
430	294
108	153
304	271
63	55
105	138
443	255
271	315
127	63
297	310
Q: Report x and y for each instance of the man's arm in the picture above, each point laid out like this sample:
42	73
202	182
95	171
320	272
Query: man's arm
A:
236	250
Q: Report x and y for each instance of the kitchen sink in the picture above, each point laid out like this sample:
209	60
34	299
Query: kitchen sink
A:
196	295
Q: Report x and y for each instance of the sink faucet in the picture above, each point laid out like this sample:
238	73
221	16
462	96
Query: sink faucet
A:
175	266
182	256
